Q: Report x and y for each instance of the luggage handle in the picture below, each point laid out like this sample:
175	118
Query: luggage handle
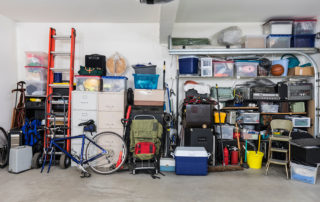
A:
144	115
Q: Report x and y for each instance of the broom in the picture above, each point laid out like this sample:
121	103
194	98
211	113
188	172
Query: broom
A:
222	168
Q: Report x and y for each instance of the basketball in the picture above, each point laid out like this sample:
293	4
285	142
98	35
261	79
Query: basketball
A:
277	70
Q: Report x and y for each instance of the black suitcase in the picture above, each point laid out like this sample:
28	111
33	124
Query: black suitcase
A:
199	137
96	60
198	114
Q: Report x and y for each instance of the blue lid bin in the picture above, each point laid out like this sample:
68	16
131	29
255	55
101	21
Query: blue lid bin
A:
146	81
303	41
188	65
114	83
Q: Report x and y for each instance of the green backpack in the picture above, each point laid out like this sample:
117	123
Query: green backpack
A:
147	130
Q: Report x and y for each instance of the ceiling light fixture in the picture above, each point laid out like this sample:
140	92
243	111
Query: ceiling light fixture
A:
154	1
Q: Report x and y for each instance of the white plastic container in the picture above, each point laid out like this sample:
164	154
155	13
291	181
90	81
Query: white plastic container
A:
303	173
304	27
35	73
36	88
88	83
114	83
278	41
278	27
206	67
34	58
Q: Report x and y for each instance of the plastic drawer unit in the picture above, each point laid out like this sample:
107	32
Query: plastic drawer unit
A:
191	161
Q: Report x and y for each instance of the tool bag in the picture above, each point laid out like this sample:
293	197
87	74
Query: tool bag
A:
96	60
91	71
143	135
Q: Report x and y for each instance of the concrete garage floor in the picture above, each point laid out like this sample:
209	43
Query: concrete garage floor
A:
66	185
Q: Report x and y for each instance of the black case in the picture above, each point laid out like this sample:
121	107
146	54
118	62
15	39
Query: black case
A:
96	60
197	115
306	150
146	112
199	137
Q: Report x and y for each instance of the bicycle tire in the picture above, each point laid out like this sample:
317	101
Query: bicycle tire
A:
114	156
4	149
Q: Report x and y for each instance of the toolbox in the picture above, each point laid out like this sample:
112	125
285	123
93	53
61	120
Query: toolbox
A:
199	137
198	114
191	161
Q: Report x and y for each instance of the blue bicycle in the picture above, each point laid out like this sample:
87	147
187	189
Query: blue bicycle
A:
105	152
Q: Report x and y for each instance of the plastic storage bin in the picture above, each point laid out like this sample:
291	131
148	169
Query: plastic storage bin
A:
88	83
250	118
249	134
227	131
167	165
144	69
278	27
304	26
269	108
188	65
307	174
284	63
36	87
303	41
146	81
223	69
36	59
34	73
255	41
278	41
191	161
114	83
246	68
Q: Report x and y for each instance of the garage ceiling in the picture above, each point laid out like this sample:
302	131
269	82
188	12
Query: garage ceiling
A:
131	11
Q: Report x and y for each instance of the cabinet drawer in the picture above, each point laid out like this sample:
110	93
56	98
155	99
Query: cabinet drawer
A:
79	116
111	101
109	120
83	100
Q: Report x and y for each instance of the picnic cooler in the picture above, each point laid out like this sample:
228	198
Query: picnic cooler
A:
191	161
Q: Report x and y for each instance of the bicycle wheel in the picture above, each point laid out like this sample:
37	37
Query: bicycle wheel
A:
113	159
4	148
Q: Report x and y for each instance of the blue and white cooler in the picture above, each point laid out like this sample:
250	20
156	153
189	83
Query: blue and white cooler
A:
191	161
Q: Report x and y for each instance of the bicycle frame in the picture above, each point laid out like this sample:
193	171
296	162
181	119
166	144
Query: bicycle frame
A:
81	161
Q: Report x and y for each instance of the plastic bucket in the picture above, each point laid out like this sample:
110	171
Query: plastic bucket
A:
222	117
255	159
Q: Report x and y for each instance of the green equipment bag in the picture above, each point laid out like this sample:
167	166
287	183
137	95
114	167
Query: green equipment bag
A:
146	130
91	71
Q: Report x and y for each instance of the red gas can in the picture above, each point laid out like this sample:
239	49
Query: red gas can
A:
234	157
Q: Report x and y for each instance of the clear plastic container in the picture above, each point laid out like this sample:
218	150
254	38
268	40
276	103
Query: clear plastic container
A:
255	41
36	88
246	68
278	27
304	26
114	83
251	118
303	173
34	73
278	41
88	83
146	81
223	69
248	134
269	108
36	58
227	131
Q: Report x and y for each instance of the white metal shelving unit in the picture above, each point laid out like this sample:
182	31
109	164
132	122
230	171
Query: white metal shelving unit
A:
305	52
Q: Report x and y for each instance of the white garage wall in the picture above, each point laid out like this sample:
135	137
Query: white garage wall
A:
138	43
8	74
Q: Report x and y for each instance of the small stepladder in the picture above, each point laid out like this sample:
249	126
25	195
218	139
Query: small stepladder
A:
52	54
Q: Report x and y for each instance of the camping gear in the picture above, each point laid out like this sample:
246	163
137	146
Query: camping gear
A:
191	161
20	159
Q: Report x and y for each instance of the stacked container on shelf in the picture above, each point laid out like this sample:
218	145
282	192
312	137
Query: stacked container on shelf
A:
304	33
36	73
279	33
145	76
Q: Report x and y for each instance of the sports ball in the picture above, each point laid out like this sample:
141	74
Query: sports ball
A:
277	70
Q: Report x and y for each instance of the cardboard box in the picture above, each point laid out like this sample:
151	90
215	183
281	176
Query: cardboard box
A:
301	71
144	97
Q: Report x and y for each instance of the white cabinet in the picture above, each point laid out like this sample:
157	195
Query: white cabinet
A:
110	119
111	101
84	100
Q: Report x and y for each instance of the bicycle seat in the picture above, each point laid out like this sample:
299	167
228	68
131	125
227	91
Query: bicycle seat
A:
89	122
